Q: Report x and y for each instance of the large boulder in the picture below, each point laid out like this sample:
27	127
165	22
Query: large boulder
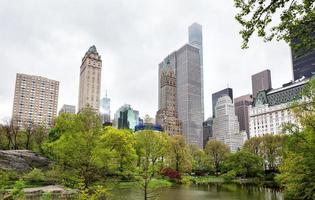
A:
22	160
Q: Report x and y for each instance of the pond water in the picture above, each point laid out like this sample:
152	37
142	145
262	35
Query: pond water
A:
214	191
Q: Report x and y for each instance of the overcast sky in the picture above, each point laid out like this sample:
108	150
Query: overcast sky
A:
49	38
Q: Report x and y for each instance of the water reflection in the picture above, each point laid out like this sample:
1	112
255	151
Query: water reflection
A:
214	191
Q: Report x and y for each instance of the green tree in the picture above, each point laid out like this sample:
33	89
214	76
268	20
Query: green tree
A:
75	150
244	164
285	19
297	172
216	152
120	147
179	155
150	147
253	145
198	159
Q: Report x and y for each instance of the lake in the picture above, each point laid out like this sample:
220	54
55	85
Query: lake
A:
214	191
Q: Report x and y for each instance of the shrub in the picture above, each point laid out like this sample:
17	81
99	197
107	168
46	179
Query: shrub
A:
35	176
229	176
171	173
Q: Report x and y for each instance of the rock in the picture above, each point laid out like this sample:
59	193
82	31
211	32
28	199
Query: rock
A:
22	160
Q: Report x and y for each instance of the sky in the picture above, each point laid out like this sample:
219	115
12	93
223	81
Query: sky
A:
49	38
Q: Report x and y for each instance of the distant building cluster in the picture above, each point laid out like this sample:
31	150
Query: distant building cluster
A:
180	99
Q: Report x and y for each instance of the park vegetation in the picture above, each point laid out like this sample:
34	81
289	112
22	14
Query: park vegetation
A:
96	159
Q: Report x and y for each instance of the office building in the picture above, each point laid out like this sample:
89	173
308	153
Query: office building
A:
207	130
167	115
90	80
225	126
126	118
241	105
35	101
272	108
303	60
261	81
189	94
217	95
67	109
105	109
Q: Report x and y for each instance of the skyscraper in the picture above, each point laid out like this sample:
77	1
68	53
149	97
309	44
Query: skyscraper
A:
207	130
90	80
167	115
189	93
35	101
195	39
225	125
261	81
217	95
241	105
105	109
303	63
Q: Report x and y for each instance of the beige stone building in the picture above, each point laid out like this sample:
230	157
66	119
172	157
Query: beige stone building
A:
167	114
90	80
35	101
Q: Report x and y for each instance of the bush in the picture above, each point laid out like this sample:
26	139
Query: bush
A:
171	173
229	176
35	176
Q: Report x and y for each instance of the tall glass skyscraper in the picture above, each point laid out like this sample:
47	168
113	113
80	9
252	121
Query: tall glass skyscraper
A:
189	95
105	109
195	39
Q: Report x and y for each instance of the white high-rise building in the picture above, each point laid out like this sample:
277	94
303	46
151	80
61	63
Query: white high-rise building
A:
225	124
90	80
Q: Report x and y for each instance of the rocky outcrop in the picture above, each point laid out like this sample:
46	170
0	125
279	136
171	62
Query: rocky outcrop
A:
22	160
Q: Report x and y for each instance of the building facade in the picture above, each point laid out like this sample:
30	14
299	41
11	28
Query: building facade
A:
261	81
67	109
271	109
90	80
105	109
207	130
126	118
167	115
35	101
226	126
189	94
217	95
303	62
241	105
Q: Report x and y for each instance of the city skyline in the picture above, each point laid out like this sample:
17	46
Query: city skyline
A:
53	48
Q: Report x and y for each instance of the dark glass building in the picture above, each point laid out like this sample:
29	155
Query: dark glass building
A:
217	95
207	130
303	64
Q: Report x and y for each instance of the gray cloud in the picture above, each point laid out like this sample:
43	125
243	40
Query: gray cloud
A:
49	38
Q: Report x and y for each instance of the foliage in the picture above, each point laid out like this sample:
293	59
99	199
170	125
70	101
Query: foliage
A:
171	173
94	193
178	154
244	164
216	152
17	191
298	168
296	21
269	147
34	177
151	147
75	148
199	165
229	176
121	155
